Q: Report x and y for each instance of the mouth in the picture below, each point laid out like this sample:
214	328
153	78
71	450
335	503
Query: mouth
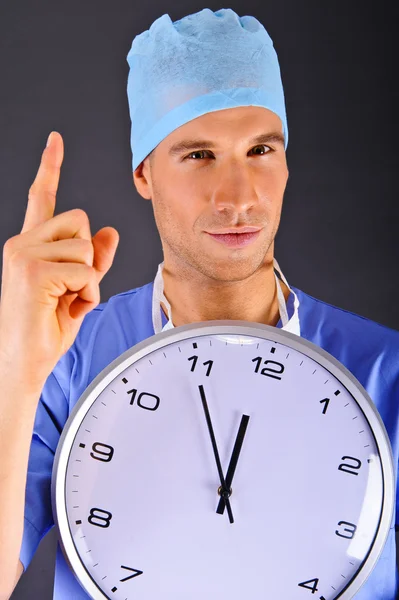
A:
236	238
235	230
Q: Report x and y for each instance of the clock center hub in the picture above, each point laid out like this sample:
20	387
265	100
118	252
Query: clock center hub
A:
224	493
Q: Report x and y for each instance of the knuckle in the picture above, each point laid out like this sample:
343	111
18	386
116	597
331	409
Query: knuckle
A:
9	246
32	190
16	258
45	190
26	265
80	215
88	271
86	250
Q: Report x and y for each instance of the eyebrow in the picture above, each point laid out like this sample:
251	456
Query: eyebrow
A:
193	144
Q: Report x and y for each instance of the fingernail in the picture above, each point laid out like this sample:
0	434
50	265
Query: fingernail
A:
49	140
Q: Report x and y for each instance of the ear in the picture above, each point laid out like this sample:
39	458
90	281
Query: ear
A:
142	179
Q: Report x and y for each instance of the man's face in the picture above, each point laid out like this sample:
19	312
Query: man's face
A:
235	183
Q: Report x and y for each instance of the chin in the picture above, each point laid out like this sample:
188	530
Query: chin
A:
229	270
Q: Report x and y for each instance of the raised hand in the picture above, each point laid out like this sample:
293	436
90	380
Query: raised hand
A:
51	275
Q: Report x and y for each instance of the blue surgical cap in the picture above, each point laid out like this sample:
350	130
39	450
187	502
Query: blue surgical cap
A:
201	63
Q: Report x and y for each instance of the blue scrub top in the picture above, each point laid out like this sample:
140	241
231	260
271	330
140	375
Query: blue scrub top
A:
369	350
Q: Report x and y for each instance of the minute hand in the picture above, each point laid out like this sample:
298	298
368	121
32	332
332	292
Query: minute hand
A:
225	490
234	459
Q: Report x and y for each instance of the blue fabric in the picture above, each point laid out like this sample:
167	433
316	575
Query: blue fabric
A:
203	62
369	350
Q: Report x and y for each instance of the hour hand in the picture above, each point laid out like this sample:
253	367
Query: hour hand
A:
234	459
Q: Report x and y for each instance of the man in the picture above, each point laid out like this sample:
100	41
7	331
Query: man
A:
209	135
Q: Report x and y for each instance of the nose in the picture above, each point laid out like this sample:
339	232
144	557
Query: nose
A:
235	189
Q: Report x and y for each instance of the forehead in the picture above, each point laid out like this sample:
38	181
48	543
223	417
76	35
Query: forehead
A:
240	118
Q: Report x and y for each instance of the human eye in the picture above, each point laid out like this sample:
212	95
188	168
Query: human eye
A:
195	152
189	156
263	146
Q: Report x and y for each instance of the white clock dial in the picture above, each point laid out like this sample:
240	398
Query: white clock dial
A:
137	476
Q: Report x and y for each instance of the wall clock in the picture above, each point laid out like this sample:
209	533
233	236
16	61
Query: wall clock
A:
223	459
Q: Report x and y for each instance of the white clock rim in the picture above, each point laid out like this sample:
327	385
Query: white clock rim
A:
206	328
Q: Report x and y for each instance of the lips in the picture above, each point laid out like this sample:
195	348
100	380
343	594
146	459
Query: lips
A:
236	240
235	230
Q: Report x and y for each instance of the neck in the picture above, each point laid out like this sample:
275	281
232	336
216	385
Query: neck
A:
198	298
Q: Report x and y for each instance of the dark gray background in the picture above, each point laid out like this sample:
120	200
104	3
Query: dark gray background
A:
63	67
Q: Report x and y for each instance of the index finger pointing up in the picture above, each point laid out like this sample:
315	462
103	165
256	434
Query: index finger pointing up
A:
43	191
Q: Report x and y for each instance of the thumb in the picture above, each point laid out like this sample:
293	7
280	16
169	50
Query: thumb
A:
105	243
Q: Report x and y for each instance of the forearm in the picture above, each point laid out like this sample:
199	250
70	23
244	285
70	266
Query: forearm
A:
17	414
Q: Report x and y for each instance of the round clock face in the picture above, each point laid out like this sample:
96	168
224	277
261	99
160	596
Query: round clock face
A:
223	460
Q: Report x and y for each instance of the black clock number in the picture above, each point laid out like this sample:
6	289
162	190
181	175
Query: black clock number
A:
350	468
104	452
311	585
208	363
326	400
135	573
142	395
351	528
99	517
268	370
